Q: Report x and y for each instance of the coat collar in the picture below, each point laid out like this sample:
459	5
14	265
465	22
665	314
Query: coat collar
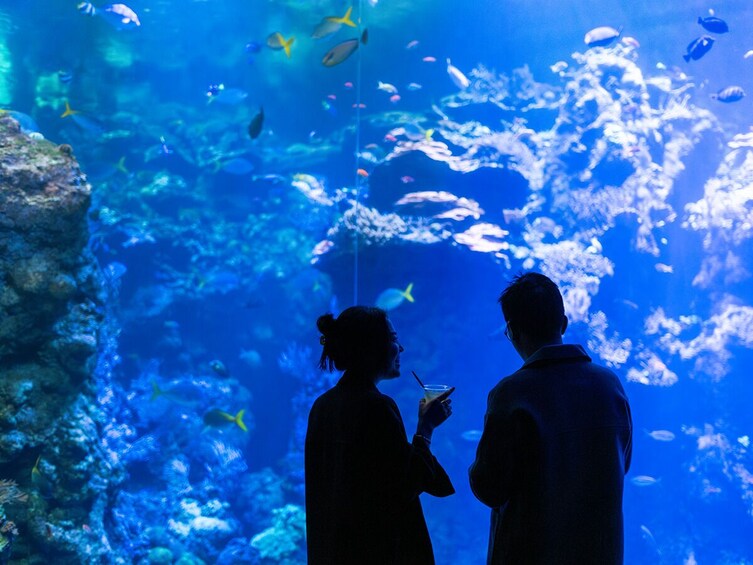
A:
554	353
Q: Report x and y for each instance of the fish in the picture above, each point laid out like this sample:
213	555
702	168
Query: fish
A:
395	98
729	94
86	8
748	54
229	96
661	435
65	77
219	368
698	48
325	28
343	50
329	108
429	59
386	87
412	44
460	80
362	173
121	14
256	124
90	125
27	123
713	24
332	24
276	41
174	395
644	481
391	298
601	36
237	166
405	179
647	535
40	482
413	86
217	418
252	47
471	435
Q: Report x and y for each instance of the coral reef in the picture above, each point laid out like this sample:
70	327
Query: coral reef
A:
52	315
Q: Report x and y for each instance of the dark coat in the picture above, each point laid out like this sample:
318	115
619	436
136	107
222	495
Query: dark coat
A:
363	479
551	462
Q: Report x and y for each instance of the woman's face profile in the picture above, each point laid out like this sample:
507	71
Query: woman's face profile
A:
393	354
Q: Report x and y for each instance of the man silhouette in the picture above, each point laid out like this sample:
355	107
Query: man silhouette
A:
556	444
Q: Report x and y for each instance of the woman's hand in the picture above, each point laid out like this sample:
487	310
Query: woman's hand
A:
433	413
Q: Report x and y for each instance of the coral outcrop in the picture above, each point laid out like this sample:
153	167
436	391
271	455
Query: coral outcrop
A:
50	319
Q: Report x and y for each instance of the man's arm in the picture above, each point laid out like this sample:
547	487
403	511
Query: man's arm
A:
491	472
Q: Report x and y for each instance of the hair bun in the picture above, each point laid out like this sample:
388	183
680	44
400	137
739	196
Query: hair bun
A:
326	324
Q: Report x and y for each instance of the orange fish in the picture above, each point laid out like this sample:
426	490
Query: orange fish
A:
362	172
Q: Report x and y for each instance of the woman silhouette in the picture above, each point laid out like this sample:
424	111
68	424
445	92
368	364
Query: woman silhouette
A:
363	477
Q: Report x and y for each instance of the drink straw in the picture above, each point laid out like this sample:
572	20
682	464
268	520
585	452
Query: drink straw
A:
419	380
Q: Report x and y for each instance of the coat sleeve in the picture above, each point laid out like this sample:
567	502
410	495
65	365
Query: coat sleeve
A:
410	466
491	474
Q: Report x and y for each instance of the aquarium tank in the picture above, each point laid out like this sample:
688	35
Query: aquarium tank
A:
186	185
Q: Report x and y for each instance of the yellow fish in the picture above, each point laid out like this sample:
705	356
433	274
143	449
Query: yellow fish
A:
344	20
40	482
68	111
276	41
217	418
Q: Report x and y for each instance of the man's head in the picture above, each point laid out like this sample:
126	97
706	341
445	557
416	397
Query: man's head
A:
534	312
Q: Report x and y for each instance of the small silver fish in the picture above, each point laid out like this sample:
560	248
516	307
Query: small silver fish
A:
471	435
601	36
661	435
729	94
460	80
644	481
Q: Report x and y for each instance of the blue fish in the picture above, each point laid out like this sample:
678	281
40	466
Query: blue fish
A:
698	48
230	96
65	77
27	123
253	47
713	24
393	297
237	166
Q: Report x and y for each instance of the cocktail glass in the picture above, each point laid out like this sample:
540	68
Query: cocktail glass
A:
433	391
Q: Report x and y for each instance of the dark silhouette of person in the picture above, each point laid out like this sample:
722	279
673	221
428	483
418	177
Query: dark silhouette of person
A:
556	444
363	476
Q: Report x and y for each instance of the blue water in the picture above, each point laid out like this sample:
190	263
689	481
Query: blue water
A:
219	265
